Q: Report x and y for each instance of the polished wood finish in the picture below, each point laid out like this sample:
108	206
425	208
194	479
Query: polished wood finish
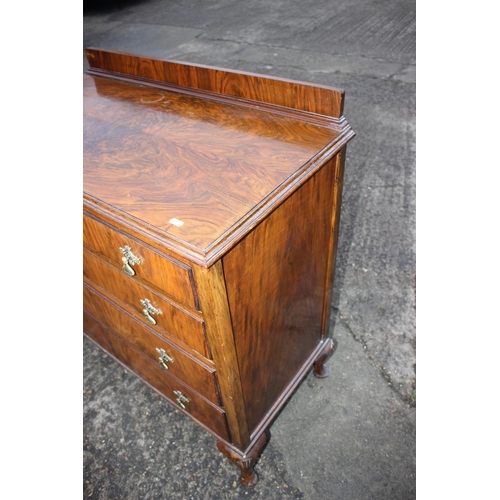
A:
287	93
157	177
190	370
213	295
276	296
227	186
172	278
173	322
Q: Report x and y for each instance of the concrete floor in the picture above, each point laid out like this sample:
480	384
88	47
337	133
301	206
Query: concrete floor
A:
351	436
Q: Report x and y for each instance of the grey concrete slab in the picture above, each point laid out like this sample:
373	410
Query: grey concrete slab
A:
271	57
384	29
139	38
350	436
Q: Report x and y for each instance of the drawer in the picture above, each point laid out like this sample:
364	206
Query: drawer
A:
172	277
169	318
200	377
206	414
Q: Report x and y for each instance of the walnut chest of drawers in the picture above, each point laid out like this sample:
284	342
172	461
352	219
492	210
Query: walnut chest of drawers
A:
211	214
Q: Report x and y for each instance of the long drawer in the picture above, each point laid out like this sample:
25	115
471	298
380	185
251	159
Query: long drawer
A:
206	414
172	277
162	317
161	352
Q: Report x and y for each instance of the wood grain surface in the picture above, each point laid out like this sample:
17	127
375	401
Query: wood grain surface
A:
312	98
275	281
172	322
160	155
213	297
200	377
170	277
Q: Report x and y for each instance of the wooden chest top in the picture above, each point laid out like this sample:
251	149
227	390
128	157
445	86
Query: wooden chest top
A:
197	168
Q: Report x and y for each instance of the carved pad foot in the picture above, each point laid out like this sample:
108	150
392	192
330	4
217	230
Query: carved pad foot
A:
248	477
320	369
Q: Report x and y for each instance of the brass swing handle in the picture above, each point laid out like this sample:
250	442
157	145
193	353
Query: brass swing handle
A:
164	358
129	260
149	310
181	399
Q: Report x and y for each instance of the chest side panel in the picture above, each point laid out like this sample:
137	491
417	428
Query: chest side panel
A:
275	281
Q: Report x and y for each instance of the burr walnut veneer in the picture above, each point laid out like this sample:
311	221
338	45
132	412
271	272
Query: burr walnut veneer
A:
211	214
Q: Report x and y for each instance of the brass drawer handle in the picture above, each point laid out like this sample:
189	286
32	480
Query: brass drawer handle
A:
129	259
181	399
164	358
149	310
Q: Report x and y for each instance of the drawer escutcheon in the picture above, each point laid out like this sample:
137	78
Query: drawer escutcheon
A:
164	358
129	259
181	399
149	310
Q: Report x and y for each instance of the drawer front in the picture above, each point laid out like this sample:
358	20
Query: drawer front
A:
201	378
176	322
209	416
173	278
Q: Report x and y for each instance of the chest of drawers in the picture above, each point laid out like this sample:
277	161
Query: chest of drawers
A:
211	216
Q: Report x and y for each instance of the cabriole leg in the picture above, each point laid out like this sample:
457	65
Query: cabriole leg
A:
320	369
246	462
